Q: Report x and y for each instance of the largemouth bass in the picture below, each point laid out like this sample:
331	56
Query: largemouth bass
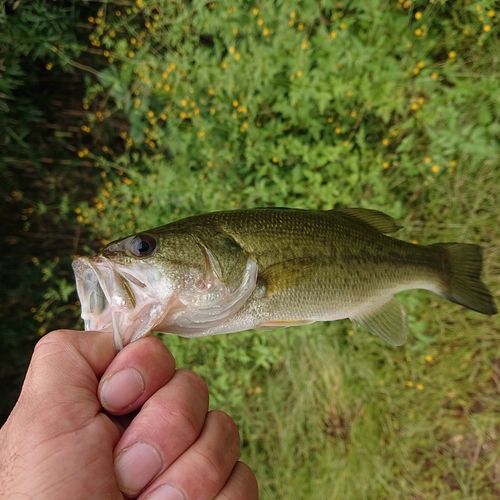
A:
226	272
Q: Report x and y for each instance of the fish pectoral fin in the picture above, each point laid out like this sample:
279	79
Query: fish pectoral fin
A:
289	274
272	325
388	321
378	220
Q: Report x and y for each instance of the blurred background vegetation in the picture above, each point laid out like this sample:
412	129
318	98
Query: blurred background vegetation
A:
120	116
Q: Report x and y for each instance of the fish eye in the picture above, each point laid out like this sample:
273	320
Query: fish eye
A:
143	246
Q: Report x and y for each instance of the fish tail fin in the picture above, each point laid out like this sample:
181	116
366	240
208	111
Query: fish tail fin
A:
462	283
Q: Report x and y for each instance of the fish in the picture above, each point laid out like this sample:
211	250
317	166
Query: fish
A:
266	268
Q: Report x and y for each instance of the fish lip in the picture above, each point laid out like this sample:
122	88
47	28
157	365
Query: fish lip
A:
114	299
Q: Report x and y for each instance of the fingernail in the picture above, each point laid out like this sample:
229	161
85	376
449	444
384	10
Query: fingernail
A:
136	466
121	389
165	492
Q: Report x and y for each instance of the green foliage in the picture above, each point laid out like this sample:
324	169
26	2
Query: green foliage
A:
391	105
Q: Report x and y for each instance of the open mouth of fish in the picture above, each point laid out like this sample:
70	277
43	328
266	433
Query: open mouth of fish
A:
115	300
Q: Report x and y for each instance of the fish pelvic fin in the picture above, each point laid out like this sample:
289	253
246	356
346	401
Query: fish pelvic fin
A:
388	321
463	263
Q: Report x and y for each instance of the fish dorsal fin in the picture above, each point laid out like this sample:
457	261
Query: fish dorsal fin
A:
388	321
378	220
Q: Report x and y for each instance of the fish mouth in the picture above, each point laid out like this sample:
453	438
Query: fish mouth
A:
114	300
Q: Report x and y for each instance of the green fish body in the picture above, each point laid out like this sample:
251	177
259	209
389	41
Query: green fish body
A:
225	272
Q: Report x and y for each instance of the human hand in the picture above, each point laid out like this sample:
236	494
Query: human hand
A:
89	424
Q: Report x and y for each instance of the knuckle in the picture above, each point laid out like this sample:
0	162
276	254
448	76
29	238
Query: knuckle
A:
229	427
194	379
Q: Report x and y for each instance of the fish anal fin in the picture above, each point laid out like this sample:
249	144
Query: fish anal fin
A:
388	321
378	220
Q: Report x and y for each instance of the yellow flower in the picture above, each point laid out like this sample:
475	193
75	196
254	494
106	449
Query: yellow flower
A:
293	15
304	45
453	163
416	71
452	54
342	26
427	159
237	56
48	66
299	73
235	31
232	50
386	164
418	15
421	64
223	64
435	169
420	387
487	28
415	106
353	114
435	76
338	130
265	32
346	143
491	13
255	11
428	358
131	53
409	383
418	32
385	141
300	26
350	93
212	111
333	34
235	103
260	22
275	160
201	133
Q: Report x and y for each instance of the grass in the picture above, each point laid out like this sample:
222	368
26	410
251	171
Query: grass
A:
388	105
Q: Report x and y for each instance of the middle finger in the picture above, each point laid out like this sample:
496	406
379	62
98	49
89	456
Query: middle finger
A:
166	426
